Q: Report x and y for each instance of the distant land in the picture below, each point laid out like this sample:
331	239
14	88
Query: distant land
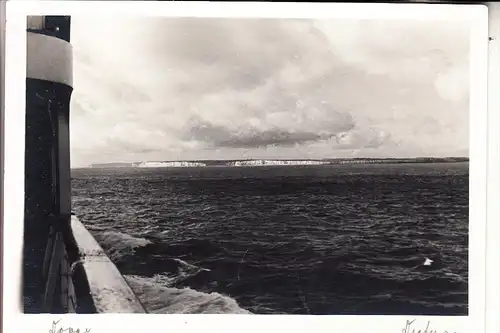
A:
276	162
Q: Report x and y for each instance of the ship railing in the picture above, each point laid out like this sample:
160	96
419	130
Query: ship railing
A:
105	288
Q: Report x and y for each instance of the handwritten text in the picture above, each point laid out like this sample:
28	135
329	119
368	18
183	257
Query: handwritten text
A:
409	329
56	329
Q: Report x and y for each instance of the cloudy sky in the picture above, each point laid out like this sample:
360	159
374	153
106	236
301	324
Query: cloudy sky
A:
202	88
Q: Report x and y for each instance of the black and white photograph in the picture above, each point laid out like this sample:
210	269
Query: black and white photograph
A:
232	165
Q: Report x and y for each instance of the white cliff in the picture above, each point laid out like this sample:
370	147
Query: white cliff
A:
275	162
174	164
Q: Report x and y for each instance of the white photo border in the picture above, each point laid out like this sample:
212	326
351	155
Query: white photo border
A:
15	321
493	211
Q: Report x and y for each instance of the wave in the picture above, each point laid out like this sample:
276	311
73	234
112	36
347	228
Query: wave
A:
137	255
161	299
185	272
159	293
119	244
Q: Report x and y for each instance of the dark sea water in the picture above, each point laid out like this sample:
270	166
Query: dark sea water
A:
338	239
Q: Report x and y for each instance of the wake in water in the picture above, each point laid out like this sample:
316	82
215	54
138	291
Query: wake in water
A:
157	293
158	298
122	244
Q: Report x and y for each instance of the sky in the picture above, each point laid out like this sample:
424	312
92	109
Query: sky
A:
150	89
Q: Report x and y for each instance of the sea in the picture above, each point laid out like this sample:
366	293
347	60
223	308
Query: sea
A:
320	239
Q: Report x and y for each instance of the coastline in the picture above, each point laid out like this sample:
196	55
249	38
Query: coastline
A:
274	162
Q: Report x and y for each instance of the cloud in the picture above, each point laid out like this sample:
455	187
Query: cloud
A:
406	50
167	88
281	123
